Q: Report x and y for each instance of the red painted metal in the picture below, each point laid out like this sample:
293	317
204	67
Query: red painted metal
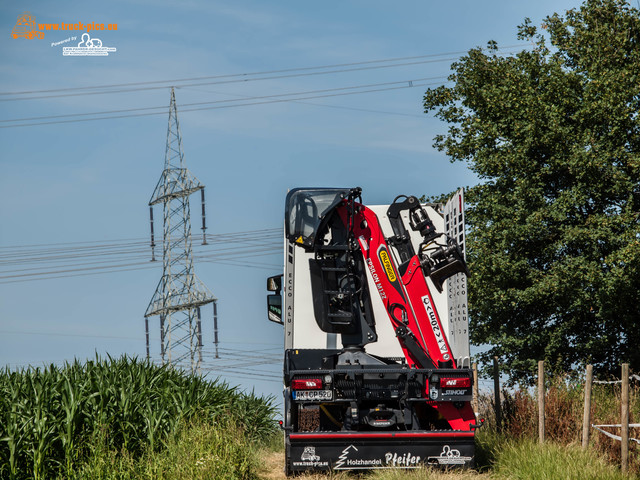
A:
372	435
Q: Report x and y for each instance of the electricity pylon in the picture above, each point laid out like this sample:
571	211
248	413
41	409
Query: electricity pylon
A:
179	294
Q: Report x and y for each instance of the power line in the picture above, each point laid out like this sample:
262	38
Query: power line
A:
276	77
48	261
243	77
74	258
409	85
324	105
265	72
49	275
121	270
265	99
58	334
219	104
210	237
97	248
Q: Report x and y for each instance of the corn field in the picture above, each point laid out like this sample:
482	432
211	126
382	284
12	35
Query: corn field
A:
49	415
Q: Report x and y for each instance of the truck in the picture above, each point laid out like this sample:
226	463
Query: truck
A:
373	301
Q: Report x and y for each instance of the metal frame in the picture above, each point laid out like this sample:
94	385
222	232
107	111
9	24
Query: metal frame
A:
180	293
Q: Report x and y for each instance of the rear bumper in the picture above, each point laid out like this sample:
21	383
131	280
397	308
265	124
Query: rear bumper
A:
373	450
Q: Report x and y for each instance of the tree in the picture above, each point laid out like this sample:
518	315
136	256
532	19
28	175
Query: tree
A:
553	133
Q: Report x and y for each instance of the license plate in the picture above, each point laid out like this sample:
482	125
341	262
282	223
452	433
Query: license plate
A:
313	395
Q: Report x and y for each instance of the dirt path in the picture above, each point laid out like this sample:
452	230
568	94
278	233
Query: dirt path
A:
273	469
273	466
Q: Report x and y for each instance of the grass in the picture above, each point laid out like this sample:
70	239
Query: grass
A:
527	459
199	451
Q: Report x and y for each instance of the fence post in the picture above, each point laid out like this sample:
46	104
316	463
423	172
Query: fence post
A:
476	406
624	420
496	393
586	419
541	401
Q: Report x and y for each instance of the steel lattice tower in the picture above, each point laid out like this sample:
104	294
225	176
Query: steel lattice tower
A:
179	294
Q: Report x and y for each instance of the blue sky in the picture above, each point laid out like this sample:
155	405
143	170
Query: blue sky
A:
91	181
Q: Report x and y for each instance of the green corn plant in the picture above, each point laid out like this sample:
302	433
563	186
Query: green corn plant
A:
120	406
41	428
13	431
70	387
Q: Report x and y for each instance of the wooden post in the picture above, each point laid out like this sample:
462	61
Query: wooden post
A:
624	419
476	406
541	401
586	418
496	393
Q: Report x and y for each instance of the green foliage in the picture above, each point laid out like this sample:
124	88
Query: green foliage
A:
553	132
199	451
48	416
564	408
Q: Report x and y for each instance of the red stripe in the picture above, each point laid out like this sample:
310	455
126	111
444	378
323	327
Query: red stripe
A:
349	435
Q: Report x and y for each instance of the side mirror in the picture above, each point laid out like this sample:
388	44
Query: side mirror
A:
274	284
274	308
274	301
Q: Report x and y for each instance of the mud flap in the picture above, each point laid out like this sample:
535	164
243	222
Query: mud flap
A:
373	450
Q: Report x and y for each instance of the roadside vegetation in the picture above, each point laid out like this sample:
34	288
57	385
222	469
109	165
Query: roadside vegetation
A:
515	453
564	407
126	418
500	458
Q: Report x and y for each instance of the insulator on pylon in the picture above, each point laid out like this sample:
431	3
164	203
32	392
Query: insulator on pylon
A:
146	328
162	337
204	221
215	326
199	328
153	243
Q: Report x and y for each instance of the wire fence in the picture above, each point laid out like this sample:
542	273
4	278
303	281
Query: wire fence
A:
520	406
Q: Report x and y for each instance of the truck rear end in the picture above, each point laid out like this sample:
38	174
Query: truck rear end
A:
376	361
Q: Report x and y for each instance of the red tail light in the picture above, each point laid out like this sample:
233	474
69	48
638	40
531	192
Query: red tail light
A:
464	382
306	384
